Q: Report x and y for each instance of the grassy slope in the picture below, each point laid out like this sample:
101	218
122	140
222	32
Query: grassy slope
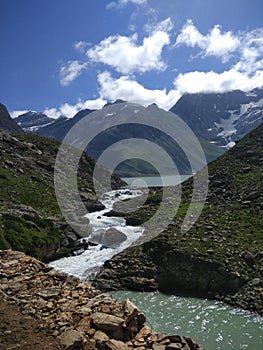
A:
29	210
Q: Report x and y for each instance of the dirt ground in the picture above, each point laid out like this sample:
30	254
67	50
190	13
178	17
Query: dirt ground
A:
20	332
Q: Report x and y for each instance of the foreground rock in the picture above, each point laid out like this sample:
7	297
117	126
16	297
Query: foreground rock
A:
72	314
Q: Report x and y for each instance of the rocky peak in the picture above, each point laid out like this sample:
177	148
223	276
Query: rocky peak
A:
7	124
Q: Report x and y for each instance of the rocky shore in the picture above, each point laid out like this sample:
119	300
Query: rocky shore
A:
44	309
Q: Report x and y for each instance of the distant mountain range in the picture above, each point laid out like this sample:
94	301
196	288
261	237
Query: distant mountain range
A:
218	121
32	121
123	112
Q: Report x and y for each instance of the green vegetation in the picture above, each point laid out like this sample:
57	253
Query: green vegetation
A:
231	220
29	211
28	234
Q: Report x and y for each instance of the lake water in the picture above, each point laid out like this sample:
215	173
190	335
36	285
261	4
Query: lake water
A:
213	325
155	181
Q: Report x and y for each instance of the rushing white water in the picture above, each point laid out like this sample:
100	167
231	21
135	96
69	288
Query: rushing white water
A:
92	259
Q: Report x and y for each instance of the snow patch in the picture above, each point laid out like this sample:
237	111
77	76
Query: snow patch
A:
227	125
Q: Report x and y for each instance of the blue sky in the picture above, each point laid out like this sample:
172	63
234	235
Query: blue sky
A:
66	55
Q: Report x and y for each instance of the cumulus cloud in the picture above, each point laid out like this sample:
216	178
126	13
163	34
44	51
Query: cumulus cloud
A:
215	43
16	114
81	46
122	53
69	110
251	52
123	3
194	82
128	89
70	71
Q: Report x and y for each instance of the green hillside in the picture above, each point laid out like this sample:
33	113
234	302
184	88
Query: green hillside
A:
222	255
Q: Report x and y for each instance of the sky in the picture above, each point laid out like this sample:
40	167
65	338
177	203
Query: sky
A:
62	56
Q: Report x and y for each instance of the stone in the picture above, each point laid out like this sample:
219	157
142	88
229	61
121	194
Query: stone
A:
130	310
116	345
112	238
157	346
49	293
106	321
71	339
143	333
256	281
100	336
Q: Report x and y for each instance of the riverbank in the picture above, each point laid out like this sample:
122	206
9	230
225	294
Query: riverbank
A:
70	313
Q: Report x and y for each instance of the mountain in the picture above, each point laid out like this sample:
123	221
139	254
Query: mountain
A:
32	121
221	118
7	124
122	112
30	218
221	256
60	127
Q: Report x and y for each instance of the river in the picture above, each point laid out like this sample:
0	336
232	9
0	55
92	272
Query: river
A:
212	324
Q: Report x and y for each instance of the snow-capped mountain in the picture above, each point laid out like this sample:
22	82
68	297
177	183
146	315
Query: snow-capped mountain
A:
221	118
32	121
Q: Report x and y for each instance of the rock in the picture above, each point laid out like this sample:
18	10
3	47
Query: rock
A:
49	293
130	310
112	238
116	345
71	339
107	322
94	206
256	281
100	336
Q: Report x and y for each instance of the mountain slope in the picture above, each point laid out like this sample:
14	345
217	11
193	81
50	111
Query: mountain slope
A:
7	124
221	118
30	218
32	121
60	127
221	256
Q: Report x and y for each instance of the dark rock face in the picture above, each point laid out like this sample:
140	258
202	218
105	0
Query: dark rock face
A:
173	272
7	124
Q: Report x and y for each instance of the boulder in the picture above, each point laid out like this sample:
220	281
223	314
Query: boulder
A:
107	322
112	238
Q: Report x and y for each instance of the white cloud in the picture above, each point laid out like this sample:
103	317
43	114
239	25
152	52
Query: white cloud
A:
16	114
70	71
123	3
215	43
81	46
121	52
127	89
251	52
69	110
195	82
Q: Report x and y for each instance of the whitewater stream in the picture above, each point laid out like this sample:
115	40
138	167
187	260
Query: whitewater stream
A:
212	324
